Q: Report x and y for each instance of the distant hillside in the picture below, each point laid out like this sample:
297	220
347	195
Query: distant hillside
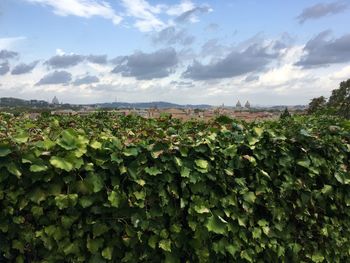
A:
14	102
147	105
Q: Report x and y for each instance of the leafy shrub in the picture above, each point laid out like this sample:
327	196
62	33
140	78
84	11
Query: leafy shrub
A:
133	190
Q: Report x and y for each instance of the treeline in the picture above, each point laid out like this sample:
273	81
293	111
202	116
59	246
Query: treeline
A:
337	104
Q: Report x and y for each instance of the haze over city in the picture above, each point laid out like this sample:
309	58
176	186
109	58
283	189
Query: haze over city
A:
187	52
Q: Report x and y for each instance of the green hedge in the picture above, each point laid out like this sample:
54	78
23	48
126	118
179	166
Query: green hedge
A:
134	190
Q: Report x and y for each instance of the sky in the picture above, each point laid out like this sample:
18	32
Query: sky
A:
182	51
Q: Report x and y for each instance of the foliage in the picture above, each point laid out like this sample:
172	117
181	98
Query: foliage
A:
317	104
338	103
285	114
126	189
340	99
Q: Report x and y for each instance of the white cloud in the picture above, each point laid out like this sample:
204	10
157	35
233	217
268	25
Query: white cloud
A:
184	6
81	8
10	42
145	14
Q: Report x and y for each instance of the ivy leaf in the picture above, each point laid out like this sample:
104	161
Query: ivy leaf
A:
185	172
21	137
71	140
36	168
304	163
252	140
114	199
99	229
94	245
203	164
4	151
217	225
130	152
249	197
61	163
201	209
246	254
165	244
95	181
96	145
152	241
232	249
107	253
17	244
13	169
152	171
256	233
64	201
37	196
258	130
317	258
86	201
71	248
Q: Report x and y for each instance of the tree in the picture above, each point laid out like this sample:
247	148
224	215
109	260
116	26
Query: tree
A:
317	104
340	99
285	114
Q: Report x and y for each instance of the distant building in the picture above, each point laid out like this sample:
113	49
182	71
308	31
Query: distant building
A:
55	101
238	104
247	105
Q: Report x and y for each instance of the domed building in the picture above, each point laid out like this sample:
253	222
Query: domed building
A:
55	101
247	105
238	104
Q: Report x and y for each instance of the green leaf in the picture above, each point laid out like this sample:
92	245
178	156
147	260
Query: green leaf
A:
107	253
94	245
152	171
318	257
178	161
216	224
232	249
96	145
203	164
65	201
185	172
304	163
246	254
152	241
61	163
71	140
258	130
37	211
256	233
249	197
130	152
37	196
13	169
35	168
201	209
21	137
4	150
16	244
99	229
165	244
114	199
327	189
231	151
95	181
71	248
252	140
86	201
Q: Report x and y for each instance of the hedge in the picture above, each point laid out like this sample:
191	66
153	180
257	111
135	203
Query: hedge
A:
116	189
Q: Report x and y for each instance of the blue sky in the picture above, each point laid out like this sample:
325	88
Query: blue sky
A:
184	51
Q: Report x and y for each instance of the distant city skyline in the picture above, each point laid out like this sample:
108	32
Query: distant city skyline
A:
179	51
